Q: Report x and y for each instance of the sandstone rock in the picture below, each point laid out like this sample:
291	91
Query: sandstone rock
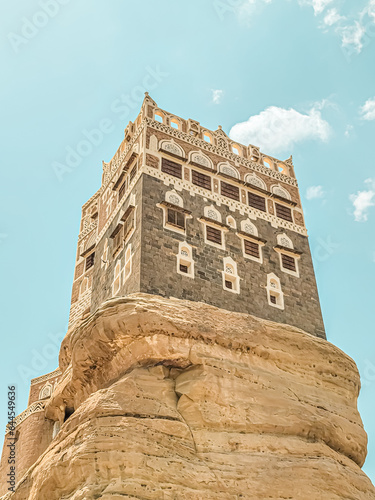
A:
180	400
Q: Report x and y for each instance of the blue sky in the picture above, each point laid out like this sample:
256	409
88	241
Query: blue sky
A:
294	77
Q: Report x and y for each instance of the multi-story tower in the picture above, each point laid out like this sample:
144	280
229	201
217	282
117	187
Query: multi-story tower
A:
186	212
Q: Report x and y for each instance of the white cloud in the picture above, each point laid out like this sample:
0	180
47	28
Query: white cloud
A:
352	36
348	130
314	192
332	17
368	110
371	10
362	201
217	96
277	129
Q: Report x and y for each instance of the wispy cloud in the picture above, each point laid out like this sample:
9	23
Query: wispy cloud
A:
332	17
278	129
217	96
352	36
363	201
368	109
314	192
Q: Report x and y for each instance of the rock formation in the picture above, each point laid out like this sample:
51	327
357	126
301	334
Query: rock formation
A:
180	400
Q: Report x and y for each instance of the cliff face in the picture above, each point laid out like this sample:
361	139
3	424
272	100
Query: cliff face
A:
180	400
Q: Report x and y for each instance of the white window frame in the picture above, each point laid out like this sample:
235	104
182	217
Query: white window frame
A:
275	291
233	277
185	260
128	266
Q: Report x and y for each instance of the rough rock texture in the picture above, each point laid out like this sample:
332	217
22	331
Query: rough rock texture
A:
180	400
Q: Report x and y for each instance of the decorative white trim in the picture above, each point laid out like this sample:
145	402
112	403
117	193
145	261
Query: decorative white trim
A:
218	199
227	169
174	198
231	222
248	256
212	213
116	285
127	269
200	159
274	288
290	254
170	146
280	191
230	274
36	407
46	391
185	258
248	227
284	241
255	180
45	377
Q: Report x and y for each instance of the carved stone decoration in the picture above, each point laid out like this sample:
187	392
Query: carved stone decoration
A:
249	228
172	148
255	181
289	161
279	191
212	214
200	160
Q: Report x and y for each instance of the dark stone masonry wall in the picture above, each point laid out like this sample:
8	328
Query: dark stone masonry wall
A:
158	264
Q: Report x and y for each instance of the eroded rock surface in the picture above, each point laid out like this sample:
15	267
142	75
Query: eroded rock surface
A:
180	400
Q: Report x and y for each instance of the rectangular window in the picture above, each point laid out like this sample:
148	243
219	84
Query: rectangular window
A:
257	202
288	262
132	173
171	168
176	218
121	191
273	299
183	269
230	191
213	234
90	261
228	284
129	223
201	180
118	238
284	212
252	249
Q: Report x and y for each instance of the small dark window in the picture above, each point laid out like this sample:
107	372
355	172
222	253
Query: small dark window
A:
201	180
252	249
230	191
273	299
183	269
284	212
132	173
171	168
288	262
258	202
228	284
128	224
176	218
90	261
213	234
118	238
121	191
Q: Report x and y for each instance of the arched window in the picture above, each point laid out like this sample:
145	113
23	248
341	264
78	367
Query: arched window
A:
235	149
267	163
207	137
46	391
282	168
174	198
227	169
249	228
175	123
200	159
212	213
280	191
274	293
185	262
159	117
231	222
231	280
173	148
284	241
256	181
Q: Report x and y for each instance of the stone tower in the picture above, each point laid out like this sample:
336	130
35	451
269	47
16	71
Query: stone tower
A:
185	212
195	365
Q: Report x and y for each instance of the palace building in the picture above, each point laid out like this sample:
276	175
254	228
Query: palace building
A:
185	212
